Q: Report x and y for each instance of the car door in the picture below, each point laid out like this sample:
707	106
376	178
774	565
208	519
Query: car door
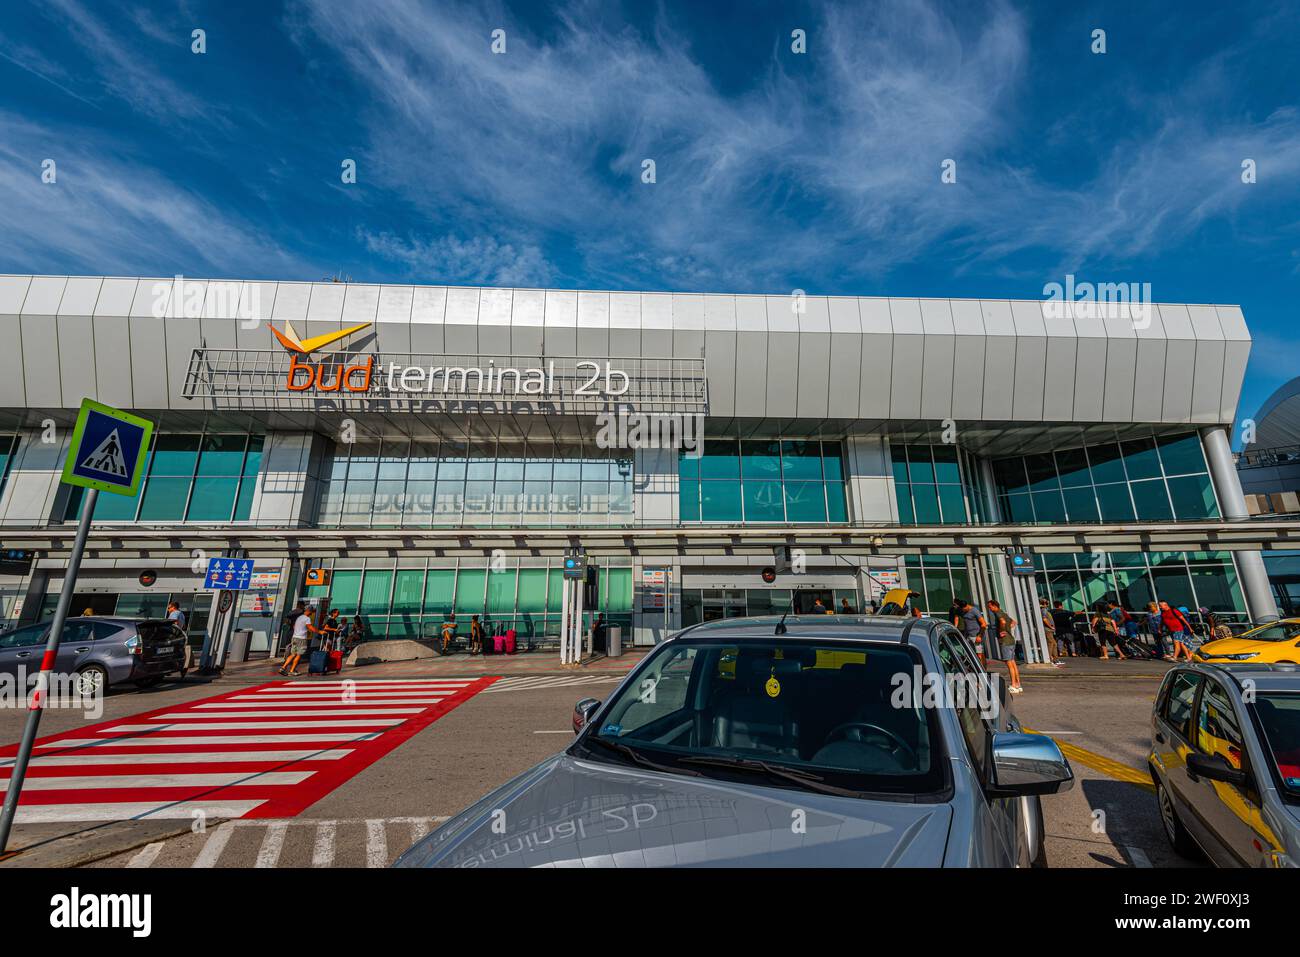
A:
1173	743
22	650
75	645
1230	814
1000	822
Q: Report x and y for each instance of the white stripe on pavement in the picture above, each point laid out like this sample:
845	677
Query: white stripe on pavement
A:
158	729
373	683
217	779
202	757
342	709
153	740
419	830
1137	855
147	855
272	844
150	811
376	844
213	846
322	854
253	701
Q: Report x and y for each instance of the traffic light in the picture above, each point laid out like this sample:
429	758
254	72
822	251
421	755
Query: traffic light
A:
591	587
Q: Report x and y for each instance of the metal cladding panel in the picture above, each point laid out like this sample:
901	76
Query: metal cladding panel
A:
567	308
751	377
395	303
783	312
815	381
44	296
908	371
79	296
721	371
968	377
149	363
527	317
113	361
999	377
182	336
360	304
1180	363
1031	361
876	382
624	342
687	343
1090	378
291	302
38	352
429	306
495	306
782	374
1121	369
560	341
1236	355
13	290
220	331
1207	384
845	374
656	311
427	337
622	311
115	297
77	359
940	358
875	317
388	337
1058	378
843	315
460	332
325	304
688	325
720	313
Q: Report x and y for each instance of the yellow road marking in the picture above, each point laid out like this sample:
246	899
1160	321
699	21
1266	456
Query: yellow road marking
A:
1112	769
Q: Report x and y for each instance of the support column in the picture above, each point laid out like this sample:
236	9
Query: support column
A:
1223	472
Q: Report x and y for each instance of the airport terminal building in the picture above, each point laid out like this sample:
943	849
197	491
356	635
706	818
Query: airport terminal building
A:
435	449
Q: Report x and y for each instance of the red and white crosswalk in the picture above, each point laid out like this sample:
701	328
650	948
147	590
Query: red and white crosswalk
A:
266	751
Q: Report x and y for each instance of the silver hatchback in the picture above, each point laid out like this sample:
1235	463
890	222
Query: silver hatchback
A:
99	652
765	742
1225	759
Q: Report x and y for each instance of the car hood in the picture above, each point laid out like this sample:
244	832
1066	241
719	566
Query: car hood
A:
571	812
1235	646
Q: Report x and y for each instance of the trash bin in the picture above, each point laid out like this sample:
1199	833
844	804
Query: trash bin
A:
239	642
614	640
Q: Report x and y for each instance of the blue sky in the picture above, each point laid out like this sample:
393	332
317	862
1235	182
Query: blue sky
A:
774	170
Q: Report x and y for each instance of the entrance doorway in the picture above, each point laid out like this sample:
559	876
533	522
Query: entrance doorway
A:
805	601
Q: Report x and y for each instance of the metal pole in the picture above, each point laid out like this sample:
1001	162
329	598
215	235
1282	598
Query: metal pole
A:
37	703
564	621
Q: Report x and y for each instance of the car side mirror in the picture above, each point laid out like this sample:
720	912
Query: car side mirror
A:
582	713
1216	768
1027	764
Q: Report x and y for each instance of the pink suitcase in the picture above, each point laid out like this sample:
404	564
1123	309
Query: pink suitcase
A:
510	641
499	644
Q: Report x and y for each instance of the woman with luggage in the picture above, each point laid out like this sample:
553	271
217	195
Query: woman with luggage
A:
1107	632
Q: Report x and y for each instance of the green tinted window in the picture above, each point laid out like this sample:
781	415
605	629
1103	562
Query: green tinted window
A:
501	593
1080	504
1182	454
469	590
689	493
720	501
532	590
721	459
1151	501
763	502
1193	497
1107	463
164	499
760	460
836	504
1140	458
376	589
213	499
1114	503
408	591
805	501
222	454
438	585
619	596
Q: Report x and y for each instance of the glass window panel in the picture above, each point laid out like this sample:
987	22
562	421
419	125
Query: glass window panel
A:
1048	507
510	462
595	497
960	584
501	593
946	470
1217	589
164	499
451	462
390	500
448	501
1140	458
213	499
358	498
720	501
532	591
338	470
1080	504
408	591
253	461
1181	454
422	464
619	598
403	626
417	503
801	459
836	503
537	499
805	501
566	497
1041	470
222	454
938	591
620	497
1173	585
1107	463
507	498
906	514
925	499
1022	508
952	503
899	464
469	590
244	503
331	502
596	470
1134	588
1009	474
478	499
345	591
763	501
538	470
1193	497
376	589
174	454
721	459
363	461
1114	502
920	464
1151	500
833	461
482	460
555	592
760	460
438	588
1072	465
688	466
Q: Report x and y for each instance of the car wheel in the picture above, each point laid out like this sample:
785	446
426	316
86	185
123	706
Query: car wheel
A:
92	680
1179	839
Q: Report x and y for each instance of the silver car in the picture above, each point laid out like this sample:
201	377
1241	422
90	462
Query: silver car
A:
802	741
99	652
1225	759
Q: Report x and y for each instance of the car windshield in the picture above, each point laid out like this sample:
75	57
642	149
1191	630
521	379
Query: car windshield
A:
1277	631
1279	716
808	714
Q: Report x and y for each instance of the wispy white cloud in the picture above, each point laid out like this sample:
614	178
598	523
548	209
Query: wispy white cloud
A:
479	259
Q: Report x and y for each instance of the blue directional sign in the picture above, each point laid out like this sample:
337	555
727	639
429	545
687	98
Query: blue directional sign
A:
228	574
108	449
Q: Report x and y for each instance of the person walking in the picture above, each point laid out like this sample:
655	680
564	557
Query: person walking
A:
1049	629
332	631
286	636
974	627
300	645
1063	622
175	614
1178	628
1107	629
1004	626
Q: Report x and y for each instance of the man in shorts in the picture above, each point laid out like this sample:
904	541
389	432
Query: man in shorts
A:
300	643
1003	626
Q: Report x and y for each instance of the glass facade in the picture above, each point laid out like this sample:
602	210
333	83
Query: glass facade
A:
1192	579
393	483
1145	479
711	604
764	480
412	601
8	450
188	477
928	485
939	579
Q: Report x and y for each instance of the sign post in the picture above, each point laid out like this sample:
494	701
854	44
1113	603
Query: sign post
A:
226	575
106	455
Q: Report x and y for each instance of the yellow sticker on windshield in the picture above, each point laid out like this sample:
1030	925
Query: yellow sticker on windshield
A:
773	687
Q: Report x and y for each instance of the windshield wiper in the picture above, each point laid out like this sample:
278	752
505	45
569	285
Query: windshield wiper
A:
806	779
632	753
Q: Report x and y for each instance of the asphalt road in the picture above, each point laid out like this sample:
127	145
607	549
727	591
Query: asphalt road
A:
1108	820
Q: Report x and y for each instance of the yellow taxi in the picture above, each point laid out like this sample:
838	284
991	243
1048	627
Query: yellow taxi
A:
1274	643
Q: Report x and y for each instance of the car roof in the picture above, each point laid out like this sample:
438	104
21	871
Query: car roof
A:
810	628
1265	677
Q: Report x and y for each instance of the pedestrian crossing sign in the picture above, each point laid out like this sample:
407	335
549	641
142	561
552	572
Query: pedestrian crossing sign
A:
108	449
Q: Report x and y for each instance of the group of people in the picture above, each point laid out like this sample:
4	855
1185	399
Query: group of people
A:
1110	627
997	625
306	636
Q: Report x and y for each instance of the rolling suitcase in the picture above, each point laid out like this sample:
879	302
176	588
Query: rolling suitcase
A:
511	638
317	663
335	663
498	644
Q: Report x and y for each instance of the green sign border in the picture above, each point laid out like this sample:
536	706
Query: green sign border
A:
87	406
